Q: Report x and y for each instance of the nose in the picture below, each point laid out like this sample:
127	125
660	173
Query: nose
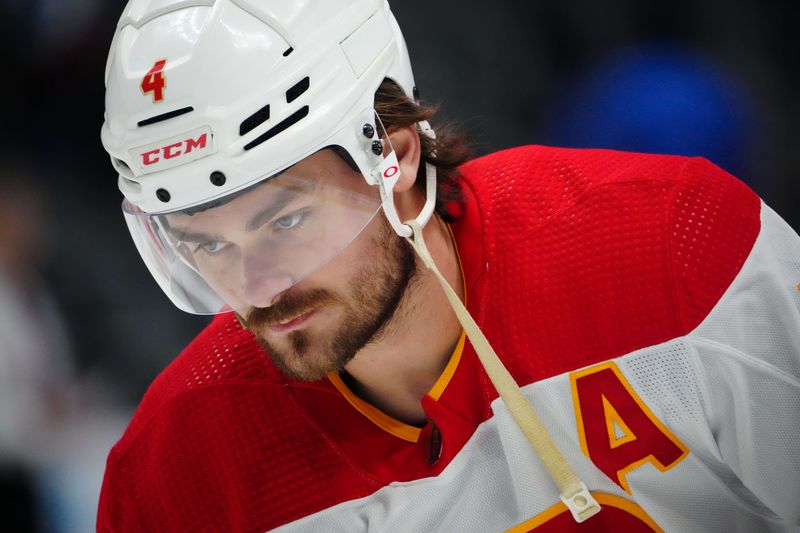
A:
264	282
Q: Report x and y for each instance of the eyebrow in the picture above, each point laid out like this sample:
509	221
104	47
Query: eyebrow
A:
280	200
189	236
278	203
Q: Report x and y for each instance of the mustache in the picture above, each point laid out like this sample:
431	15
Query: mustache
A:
289	306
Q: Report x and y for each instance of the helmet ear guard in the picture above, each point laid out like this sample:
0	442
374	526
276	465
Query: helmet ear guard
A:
387	174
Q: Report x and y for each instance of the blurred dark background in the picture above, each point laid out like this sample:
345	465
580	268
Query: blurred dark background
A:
717	78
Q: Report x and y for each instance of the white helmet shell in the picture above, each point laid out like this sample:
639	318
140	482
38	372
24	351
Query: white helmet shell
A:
206	97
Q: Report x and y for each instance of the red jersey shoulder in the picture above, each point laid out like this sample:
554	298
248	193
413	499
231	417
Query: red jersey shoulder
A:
522	188
220	443
714	222
592	254
222	352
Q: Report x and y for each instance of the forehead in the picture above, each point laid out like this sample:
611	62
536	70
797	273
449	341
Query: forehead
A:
326	165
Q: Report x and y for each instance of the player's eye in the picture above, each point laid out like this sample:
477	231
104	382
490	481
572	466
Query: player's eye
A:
289	221
211	247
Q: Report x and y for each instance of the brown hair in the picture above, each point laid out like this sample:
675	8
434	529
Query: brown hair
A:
447	152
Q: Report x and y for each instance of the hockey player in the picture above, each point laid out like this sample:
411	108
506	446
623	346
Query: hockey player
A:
629	353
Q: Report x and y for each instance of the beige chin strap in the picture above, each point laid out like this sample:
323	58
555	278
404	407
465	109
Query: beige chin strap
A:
574	493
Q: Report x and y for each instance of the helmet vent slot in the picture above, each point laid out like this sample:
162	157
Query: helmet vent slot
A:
165	116
122	167
296	90
285	124
288	51
254	120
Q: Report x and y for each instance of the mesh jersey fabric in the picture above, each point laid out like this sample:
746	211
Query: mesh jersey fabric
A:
570	257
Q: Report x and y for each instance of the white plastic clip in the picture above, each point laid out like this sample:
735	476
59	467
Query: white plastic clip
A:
582	504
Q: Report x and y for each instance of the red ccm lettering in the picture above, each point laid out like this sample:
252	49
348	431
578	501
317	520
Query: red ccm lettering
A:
173	150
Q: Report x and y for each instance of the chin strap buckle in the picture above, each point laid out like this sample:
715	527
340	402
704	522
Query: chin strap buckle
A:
581	504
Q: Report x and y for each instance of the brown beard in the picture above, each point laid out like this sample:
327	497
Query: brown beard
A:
375	297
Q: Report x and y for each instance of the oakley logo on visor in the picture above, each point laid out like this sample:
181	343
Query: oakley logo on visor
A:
174	151
390	172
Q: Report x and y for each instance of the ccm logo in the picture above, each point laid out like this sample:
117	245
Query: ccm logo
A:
173	150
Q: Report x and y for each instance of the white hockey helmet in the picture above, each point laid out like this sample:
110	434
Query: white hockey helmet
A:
208	100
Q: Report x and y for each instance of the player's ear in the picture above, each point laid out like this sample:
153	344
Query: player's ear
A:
408	150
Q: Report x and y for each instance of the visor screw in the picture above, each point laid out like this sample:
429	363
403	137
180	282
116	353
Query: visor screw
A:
163	195
377	147
368	131
415	92
218	178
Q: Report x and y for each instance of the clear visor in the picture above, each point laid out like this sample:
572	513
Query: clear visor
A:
244	250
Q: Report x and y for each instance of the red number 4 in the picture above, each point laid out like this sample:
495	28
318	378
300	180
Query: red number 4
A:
154	81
